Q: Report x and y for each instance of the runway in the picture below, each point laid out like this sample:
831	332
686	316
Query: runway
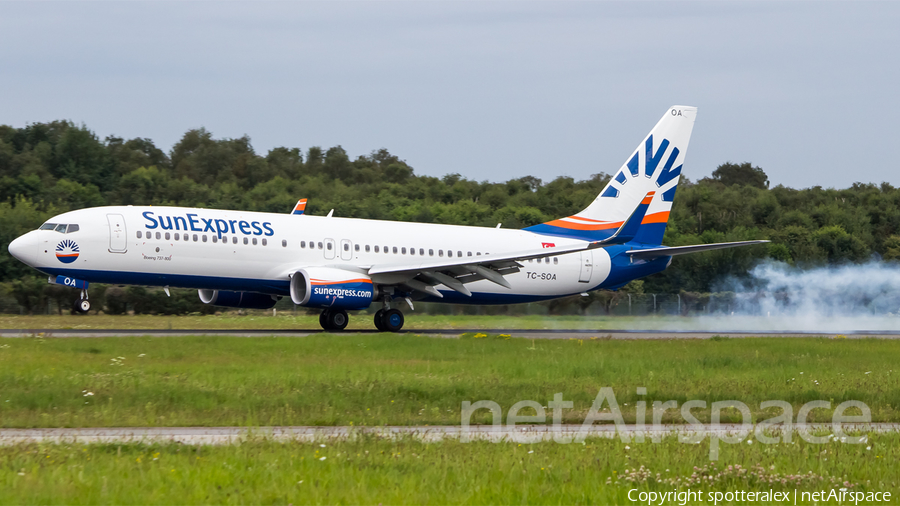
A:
530	434
453	333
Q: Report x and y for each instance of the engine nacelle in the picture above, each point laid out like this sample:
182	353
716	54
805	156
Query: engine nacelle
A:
245	300
327	287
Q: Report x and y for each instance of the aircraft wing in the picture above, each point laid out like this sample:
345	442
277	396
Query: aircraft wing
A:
454	274
684	250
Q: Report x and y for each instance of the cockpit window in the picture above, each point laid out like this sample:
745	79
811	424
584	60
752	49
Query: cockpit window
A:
61	228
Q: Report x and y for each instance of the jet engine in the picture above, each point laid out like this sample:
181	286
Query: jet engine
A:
245	300
327	287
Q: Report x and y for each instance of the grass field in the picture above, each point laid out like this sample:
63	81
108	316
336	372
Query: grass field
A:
372	471
361	321
384	379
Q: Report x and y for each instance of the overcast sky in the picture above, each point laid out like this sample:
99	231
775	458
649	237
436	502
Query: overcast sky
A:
806	90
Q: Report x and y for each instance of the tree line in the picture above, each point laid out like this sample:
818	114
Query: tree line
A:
49	168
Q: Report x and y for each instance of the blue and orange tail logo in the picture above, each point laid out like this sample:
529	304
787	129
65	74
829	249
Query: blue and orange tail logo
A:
300	208
67	251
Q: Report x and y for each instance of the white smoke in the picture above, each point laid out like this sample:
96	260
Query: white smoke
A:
778	297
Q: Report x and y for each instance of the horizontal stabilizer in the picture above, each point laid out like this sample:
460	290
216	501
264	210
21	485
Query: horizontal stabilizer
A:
684	250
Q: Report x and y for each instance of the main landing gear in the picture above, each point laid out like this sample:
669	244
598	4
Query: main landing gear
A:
334	319
390	320
82	305
386	319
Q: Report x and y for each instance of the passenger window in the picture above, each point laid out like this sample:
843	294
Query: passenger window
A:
234	240
254	241
440	252
367	248
138	234
224	240
167	236
412	251
459	253
159	236
479	253
403	251
204	237
265	242
48	226
376	248
246	241
386	250
356	247
284	243
320	245
61	229
555	261
177	235
195	237
395	250
449	252
422	251
72	228
346	247
215	238
328	245
470	253
431	252
303	244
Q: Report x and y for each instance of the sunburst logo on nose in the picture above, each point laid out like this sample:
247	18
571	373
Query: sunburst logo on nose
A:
67	251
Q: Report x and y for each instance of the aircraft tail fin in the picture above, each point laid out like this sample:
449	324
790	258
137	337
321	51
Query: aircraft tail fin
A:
654	166
300	208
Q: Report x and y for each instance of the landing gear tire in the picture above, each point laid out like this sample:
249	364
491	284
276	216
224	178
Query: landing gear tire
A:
82	306
392	320
379	320
334	319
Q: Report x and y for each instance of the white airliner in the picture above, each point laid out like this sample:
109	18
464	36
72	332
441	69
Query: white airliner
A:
250	260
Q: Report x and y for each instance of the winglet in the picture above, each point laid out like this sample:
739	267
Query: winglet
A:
630	228
300	208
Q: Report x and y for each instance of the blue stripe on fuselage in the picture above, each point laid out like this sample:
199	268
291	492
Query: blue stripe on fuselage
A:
270	286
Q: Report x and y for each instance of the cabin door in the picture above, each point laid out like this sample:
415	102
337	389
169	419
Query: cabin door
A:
118	237
587	266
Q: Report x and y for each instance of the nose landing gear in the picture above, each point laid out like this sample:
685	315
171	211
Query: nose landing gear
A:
82	305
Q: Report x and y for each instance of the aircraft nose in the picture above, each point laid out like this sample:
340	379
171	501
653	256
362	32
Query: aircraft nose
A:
24	248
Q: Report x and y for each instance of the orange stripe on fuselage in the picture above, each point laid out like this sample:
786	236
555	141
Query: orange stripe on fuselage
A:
69	255
582	226
662	217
